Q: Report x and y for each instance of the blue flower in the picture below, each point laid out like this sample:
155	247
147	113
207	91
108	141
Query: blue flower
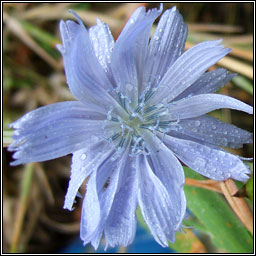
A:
141	107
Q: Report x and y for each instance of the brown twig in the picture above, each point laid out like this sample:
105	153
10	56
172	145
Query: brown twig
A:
214	28
67	228
44	183
238	204
237	66
206	184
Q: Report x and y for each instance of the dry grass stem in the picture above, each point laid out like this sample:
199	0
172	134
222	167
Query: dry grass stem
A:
22	207
214	28
206	184
18	30
44	183
237	66
67	228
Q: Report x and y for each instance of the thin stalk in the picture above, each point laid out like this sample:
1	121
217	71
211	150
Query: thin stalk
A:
22	207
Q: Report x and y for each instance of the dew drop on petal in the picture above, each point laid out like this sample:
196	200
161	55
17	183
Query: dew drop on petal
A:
224	141
227	175
200	163
82	157
129	87
197	123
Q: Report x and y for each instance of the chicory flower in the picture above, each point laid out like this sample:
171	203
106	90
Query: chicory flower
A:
141	106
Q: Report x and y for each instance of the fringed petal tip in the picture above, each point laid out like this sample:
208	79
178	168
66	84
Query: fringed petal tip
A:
161	7
17	156
79	20
174	8
67	31
61	49
243	177
12	125
15	163
247	158
68	204
159	10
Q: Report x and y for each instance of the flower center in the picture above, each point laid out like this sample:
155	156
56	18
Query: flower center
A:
128	127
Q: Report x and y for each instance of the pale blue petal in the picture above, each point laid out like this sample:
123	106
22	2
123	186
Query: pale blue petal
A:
120	226
212	130
209	82
201	104
57	111
155	203
103	44
110	172
54	131
212	163
187	69
168	169
84	161
90	214
109	178
128	58
105	172
166	45
137	15
86	78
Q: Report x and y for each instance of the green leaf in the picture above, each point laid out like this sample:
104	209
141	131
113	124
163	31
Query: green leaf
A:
80	6
243	83
217	217
45	39
249	188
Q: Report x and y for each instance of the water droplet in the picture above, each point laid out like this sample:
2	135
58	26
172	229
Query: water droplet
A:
227	175
197	123
224	142
200	163
129	87
219	172
82	157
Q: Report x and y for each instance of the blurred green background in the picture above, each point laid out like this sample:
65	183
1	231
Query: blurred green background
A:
33	76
